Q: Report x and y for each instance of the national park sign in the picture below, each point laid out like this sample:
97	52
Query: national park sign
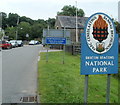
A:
99	46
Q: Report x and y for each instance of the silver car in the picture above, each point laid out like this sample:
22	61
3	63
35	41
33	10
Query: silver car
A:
14	43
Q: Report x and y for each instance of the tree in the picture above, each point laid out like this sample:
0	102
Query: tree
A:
11	32
23	29
117	24
26	19
25	26
71	11
4	20
37	30
12	19
51	22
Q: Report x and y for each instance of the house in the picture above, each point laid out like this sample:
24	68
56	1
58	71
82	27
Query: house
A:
69	22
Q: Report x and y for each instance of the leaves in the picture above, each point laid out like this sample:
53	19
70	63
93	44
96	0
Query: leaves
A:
71	11
25	26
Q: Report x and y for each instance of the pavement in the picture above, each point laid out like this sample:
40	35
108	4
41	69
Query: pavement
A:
49	50
19	73
0	77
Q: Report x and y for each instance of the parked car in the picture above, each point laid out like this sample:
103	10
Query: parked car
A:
14	43
32	42
5	45
37	42
20	43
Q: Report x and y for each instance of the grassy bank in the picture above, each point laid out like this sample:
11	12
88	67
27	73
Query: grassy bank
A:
62	83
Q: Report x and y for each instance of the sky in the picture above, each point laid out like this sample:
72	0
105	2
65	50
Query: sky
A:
44	9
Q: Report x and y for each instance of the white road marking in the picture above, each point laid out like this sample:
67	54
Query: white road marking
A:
38	58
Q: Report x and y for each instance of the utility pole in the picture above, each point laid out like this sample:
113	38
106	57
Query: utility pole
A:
76	24
17	28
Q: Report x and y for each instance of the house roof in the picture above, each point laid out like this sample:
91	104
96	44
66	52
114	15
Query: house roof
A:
70	21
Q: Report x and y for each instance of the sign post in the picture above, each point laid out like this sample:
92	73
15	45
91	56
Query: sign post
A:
55	40
47	44
99	50
108	89
56	37
86	89
64	47
47	54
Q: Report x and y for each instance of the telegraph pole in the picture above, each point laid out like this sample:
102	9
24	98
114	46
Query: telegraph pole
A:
76	24
17	28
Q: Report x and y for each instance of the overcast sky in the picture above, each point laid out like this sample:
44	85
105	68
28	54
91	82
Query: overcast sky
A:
44	9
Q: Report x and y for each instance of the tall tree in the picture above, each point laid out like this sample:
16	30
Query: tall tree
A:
4	20
51	22
12	19
37	29
11	32
69	10
23	29
26	19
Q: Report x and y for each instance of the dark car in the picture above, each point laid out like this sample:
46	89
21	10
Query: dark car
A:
20	43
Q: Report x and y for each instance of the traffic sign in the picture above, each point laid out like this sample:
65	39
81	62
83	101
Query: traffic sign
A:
99	46
55	40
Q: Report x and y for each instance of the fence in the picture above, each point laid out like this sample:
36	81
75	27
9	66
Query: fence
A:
74	49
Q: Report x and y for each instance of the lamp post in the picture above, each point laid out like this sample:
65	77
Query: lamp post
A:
17	28
76	24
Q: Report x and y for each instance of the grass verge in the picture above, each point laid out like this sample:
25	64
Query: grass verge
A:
62	83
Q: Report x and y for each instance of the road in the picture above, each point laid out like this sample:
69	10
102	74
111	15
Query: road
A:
19	73
0	77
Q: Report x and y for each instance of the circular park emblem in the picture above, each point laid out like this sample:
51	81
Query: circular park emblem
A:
100	33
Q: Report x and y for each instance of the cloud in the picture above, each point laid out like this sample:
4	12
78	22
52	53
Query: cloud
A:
48	8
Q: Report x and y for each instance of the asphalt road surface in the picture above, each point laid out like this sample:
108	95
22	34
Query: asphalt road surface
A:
0	77
19	73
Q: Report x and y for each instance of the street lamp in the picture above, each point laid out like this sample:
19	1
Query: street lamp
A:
17	28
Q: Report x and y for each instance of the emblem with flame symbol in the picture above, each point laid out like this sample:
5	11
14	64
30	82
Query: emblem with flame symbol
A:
100	33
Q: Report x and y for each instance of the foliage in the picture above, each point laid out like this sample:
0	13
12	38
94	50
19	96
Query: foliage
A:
25	26
117	28
51	21
36	30
1	34
11	32
23	29
4	20
71	11
12	19
26	19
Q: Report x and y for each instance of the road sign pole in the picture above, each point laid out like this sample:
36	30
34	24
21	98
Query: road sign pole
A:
86	89
47	54
47	44
64	47
108	89
63	54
